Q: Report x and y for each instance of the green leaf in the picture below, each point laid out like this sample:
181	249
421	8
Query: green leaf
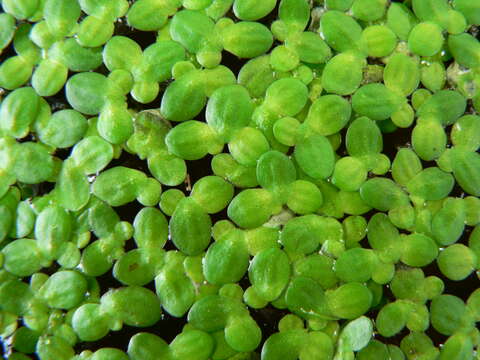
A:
357	333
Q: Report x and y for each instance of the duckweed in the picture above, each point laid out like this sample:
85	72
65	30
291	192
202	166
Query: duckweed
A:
232	162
